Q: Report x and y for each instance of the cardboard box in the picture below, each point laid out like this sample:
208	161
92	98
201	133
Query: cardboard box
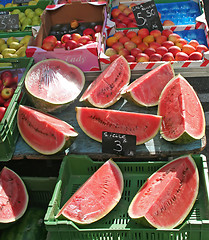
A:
85	57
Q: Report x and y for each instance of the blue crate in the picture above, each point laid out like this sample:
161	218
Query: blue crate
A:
181	13
195	34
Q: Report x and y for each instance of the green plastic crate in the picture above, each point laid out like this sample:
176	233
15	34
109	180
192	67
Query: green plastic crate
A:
76	169
19	35
41	4
8	126
40	190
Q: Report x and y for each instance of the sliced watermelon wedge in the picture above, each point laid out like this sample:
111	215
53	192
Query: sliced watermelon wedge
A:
13	196
96	197
105	90
183	118
146	90
168	195
43	132
94	121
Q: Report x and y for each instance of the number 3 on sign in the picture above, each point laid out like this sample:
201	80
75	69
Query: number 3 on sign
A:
118	146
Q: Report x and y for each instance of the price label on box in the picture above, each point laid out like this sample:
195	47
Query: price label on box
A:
147	16
117	143
9	22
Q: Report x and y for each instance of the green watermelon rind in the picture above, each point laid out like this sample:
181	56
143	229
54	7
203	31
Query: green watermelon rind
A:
144	221
131	97
43	104
85	130
68	140
117	198
185	137
10	221
88	101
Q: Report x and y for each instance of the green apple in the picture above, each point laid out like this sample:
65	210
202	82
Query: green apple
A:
39	11
12	39
2	41
28	10
16	11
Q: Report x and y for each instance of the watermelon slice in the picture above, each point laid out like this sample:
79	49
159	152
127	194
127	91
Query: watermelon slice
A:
146	90
183	116
105	90
96	197
53	84
94	121
168	195
13	196
43	132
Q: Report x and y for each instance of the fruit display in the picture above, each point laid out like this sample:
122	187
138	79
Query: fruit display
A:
168	195
143	126
72	35
13	195
98	195
146	90
183	118
30	226
151	46
53	84
168	12
28	17
8	84
106	89
13	5
13	47
43	132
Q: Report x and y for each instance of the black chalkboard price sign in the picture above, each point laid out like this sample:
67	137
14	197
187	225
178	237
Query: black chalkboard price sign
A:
146	16
119	144
9	22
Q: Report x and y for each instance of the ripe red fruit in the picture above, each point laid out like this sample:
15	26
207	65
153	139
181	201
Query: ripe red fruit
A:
70	44
65	37
88	31
7	78
49	42
7	93
98	28
2	112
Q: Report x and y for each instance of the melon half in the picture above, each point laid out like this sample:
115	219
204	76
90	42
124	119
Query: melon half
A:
168	195
183	118
146	90
106	89
53	84
94	121
13	196
43	132
96	197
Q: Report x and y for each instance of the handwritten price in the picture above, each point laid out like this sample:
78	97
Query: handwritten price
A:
8	22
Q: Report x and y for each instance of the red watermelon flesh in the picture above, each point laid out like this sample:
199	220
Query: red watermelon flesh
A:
183	116
94	121
13	196
96	197
146	90
43	132
168	195
53	84
105	90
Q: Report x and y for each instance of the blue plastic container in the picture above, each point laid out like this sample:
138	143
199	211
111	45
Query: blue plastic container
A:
181	13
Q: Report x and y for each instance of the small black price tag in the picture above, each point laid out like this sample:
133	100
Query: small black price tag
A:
146	16
20	1
9	22
117	143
